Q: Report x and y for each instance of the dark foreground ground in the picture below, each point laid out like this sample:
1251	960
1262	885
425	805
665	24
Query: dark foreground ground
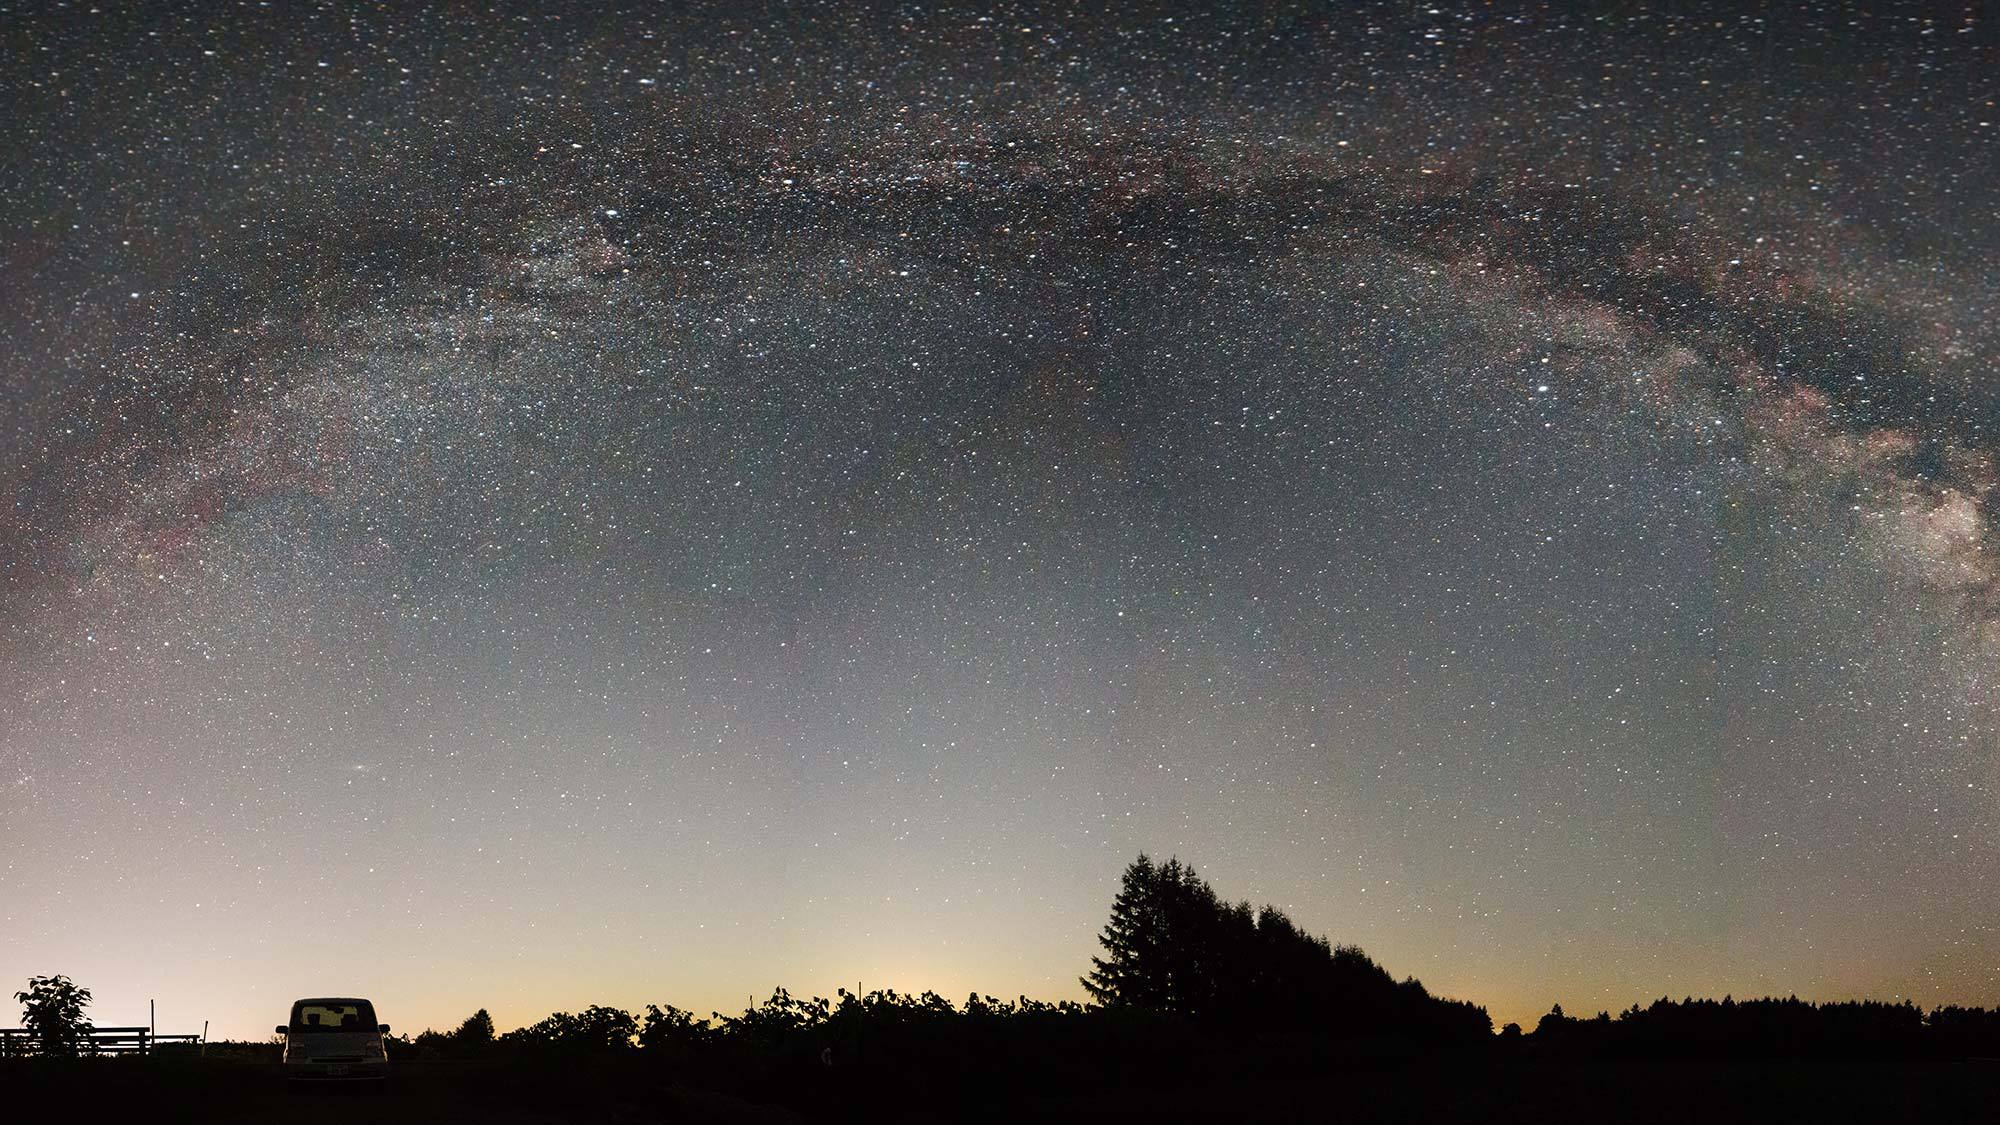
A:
608	1092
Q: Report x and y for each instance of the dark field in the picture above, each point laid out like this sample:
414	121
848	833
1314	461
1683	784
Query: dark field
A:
632	1090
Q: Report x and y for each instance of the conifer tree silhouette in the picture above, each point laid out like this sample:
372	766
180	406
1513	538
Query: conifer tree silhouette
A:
1131	973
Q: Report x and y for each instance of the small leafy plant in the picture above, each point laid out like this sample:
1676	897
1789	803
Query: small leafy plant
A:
52	1008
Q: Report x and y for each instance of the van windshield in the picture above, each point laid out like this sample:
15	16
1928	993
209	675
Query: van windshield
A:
333	1015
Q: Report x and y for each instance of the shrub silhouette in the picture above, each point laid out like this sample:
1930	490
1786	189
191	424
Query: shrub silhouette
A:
470	1039
595	1030
815	1052
52	1008
671	1029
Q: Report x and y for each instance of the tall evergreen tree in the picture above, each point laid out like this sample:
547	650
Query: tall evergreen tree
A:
1171	944
1194	953
1130	974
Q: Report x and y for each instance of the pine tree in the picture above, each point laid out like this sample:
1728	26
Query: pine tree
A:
1166	942
1191	955
1130	974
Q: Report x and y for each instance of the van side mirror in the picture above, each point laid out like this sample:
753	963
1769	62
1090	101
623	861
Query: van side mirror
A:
384	1029
281	1029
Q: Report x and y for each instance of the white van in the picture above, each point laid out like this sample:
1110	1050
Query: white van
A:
335	1039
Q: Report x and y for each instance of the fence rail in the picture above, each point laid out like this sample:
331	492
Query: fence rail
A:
20	1041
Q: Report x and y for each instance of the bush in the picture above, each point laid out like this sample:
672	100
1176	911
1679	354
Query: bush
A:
52	1009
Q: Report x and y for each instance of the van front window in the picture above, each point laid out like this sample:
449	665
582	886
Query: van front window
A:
332	1016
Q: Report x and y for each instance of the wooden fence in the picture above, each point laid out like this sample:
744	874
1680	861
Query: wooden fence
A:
16	1042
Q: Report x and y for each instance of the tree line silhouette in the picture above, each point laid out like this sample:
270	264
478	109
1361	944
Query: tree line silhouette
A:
1773	1028
1188	987
1174	945
1187	976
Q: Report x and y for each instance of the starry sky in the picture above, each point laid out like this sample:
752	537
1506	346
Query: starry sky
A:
526	506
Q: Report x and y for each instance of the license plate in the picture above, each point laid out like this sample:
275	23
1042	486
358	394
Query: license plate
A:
337	1071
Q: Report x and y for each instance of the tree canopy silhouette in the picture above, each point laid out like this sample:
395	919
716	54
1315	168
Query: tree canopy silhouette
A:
476	1032
1772	1028
595	1029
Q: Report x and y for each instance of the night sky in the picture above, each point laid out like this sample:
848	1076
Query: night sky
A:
515	510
